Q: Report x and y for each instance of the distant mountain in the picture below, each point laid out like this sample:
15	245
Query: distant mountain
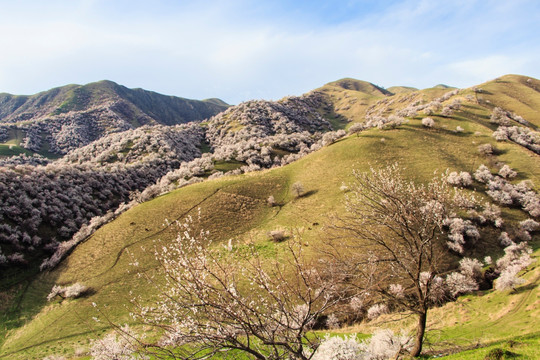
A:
65	118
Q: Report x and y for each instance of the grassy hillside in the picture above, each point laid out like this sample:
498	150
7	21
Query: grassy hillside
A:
519	94
401	89
236	207
351	98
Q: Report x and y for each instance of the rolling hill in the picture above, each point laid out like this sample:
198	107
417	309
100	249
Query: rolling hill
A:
235	206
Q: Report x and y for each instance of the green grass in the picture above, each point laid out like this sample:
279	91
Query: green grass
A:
12	150
226	166
520	347
235	207
12	147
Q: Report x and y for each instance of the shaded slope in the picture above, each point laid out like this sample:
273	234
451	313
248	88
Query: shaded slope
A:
349	99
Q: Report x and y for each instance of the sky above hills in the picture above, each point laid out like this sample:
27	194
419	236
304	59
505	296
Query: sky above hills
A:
240	49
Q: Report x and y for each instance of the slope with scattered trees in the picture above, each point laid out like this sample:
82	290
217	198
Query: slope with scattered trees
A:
237	207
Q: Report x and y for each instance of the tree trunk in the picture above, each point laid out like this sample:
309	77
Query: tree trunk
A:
419	338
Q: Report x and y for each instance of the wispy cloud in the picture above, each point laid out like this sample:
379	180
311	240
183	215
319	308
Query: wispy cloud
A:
240	49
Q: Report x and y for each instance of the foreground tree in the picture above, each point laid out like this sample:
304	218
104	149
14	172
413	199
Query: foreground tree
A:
391	242
217	299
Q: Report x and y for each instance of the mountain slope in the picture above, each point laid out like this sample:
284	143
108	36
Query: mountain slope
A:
71	116
515	93
36	216
349	99
236	207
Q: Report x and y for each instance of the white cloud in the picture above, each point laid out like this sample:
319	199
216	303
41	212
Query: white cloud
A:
489	67
241	49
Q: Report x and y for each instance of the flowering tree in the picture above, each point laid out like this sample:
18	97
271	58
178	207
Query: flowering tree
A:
428	122
516	258
393	232
217	299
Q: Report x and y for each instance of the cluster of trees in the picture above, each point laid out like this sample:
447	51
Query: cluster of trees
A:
261	119
4	133
520	135
23	159
44	205
69	131
503	117
502	191
381	122
414	107
506	193
175	144
65	118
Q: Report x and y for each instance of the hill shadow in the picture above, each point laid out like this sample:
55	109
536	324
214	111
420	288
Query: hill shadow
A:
22	301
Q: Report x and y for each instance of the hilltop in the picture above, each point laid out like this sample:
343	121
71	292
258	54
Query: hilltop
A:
56	121
286	138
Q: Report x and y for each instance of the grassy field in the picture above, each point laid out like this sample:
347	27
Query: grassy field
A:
236	207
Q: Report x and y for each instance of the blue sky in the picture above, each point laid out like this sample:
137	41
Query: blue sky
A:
239	49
